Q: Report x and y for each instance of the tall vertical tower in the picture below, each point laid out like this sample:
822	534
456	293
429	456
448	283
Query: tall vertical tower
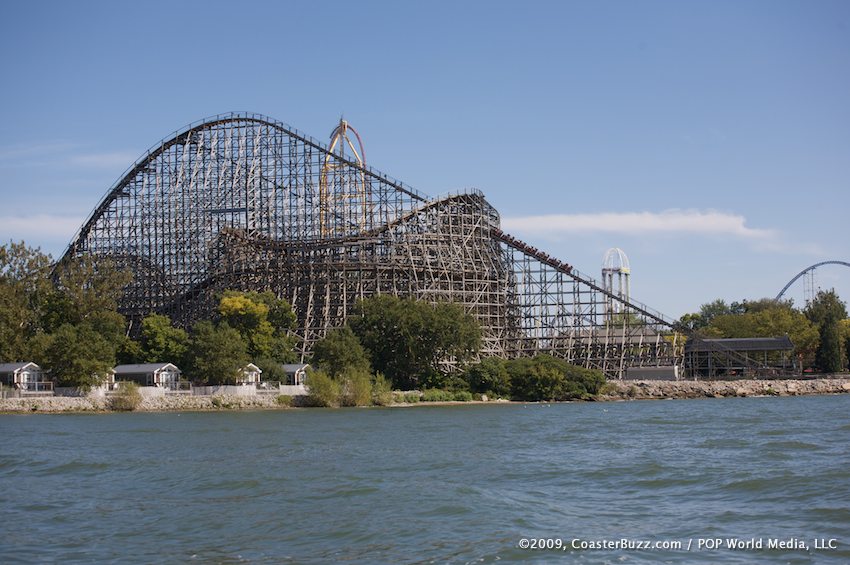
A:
615	278
344	198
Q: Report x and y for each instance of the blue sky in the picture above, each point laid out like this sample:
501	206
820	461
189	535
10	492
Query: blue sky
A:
708	139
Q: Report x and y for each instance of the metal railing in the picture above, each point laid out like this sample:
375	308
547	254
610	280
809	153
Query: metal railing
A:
36	387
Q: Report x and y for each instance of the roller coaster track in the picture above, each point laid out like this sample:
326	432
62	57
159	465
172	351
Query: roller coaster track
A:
806	270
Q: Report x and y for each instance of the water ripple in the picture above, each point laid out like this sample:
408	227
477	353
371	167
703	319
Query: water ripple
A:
437	485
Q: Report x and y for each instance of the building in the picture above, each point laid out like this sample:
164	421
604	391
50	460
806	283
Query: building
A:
296	373
165	375
25	376
736	358
249	375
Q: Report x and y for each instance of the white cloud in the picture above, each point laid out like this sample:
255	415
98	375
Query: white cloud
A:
700	222
39	228
41	155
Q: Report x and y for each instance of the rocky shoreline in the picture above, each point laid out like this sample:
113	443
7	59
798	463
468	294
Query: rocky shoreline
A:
613	391
175	403
647	390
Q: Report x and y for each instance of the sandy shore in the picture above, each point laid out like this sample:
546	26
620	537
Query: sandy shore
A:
614	391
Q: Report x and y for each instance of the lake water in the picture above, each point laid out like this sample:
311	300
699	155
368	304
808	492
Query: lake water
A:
457	484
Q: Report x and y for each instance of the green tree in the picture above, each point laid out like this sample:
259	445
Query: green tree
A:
322	389
216	353
24	289
769	319
79	356
828	357
340	352
84	286
544	377
127	398
844	328
356	388
408	340
160	341
537	378
263	321
490	376
272	370
707	313
827	311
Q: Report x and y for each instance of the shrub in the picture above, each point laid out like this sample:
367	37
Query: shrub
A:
489	377
462	396
272	370
412	397
382	394
284	400
544	377
340	352
583	383
127	399
322	390
436	395
356	388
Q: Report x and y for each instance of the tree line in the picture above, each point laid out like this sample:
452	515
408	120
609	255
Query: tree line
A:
65	317
820	331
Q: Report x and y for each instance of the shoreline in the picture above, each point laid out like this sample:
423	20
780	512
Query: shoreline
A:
667	390
613	391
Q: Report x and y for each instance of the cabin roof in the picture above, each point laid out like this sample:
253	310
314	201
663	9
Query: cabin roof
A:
741	344
17	366
142	368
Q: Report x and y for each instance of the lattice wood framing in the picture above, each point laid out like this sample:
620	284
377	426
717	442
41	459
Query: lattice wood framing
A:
232	202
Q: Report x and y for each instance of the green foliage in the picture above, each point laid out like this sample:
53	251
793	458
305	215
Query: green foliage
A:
24	288
827	311
322	389
408	397
407	340
768	318
441	395
263	321
356	388
489	377
581	383
127	398
412	397
271	370
626	319
216	354
707	313
544	377
85	286
537	378
284	400
436	395
340	352
382	394
844	330
462	396
161	342
79	356
828	357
